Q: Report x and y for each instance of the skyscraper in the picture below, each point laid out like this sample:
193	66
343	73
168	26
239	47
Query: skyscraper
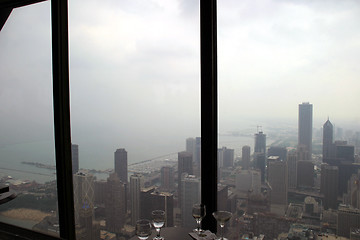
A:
305	126
185	165
226	157
120	159
260	143
190	145
246	157
75	158
328	134
305	174
152	199
278	180
115	204
292	169
83	194
135	187
167	178
329	185
190	194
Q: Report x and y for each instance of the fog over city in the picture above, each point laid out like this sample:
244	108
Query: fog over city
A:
135	71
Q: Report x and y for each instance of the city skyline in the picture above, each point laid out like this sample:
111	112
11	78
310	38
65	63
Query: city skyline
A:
151	75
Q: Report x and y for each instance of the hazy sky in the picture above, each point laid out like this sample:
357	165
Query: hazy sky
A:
135	70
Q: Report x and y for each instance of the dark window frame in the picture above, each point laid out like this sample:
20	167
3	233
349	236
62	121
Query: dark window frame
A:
61	98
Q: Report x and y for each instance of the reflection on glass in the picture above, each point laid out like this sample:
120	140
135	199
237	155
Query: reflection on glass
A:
27	155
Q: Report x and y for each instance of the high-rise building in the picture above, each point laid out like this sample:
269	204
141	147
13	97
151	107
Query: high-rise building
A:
225	157
136	182
292	169
152	199
197	154
190	194
248	180
348	218
190	145
303	153
278	180
352	197
260	163
329	185
328	134
121	164
305	174
167	178
115	204
278	151
260	143
75	158
100	191
246	157
185	165
305	126
83	195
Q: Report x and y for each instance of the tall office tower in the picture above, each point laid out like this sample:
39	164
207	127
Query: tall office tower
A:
278	180
278	151
83	194
292	169
352	197
121	164
327	139
260	163
303	153
151	200
248	180
226	157
329	185
348	218
190	194
75	158
345	152
197	155
115	204
100	191
346	170
185	165
246	157
136	182
260	143
305	126
222	196
190	145
305	174
167	178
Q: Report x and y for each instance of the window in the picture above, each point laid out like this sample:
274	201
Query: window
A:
27	149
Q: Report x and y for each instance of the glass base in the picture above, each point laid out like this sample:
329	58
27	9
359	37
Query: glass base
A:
199	232
158	238
221	238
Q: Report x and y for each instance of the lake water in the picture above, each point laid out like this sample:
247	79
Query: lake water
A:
12	156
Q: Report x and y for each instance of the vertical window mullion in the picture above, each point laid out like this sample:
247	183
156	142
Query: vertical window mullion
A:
60	54
208	46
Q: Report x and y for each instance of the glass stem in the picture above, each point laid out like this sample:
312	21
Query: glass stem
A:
198	225
158	232
222	232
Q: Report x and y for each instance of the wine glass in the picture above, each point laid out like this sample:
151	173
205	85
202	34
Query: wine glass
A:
158	222
198	213
143	229
222	217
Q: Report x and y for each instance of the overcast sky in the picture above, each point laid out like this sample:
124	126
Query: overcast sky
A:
135	69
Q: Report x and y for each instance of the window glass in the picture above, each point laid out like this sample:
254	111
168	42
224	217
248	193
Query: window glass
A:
285	68
135	111
27	155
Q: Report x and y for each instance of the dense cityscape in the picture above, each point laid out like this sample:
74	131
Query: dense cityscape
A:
290	189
